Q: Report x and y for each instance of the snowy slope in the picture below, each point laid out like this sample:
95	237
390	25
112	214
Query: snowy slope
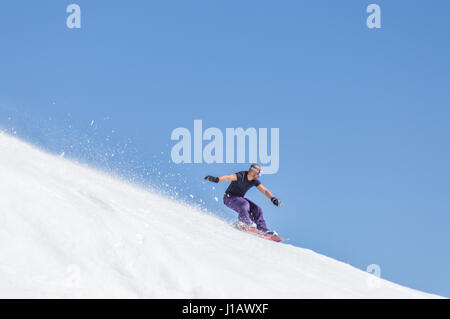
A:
69	231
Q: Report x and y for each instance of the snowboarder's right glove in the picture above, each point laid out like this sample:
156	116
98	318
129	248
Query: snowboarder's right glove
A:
212	179
275	201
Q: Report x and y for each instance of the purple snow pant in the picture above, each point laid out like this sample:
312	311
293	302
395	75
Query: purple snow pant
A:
248	211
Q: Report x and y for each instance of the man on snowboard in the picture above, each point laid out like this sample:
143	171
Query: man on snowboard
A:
234	198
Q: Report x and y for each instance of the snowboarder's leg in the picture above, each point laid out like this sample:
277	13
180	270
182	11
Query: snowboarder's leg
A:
239	205
257	217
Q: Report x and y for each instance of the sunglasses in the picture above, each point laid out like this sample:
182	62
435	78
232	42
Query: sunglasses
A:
254	169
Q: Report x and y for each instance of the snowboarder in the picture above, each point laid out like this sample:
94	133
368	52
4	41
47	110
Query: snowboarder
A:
234	198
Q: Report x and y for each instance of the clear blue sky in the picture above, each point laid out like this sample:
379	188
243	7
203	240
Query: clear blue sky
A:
363	114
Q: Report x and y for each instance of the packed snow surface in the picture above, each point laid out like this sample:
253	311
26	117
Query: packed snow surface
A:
68	231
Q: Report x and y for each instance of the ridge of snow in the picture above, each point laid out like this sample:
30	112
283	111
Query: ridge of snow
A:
68	231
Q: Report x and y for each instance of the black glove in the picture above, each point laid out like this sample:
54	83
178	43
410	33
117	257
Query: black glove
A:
212	179
275	201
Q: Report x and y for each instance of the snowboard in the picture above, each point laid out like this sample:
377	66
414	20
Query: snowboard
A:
252	230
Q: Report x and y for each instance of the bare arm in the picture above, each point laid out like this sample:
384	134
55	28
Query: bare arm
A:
225	178
266	192
228	178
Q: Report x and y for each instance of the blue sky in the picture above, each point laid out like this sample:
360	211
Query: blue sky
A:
363	114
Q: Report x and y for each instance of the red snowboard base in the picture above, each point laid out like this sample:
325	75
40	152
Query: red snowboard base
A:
252	230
